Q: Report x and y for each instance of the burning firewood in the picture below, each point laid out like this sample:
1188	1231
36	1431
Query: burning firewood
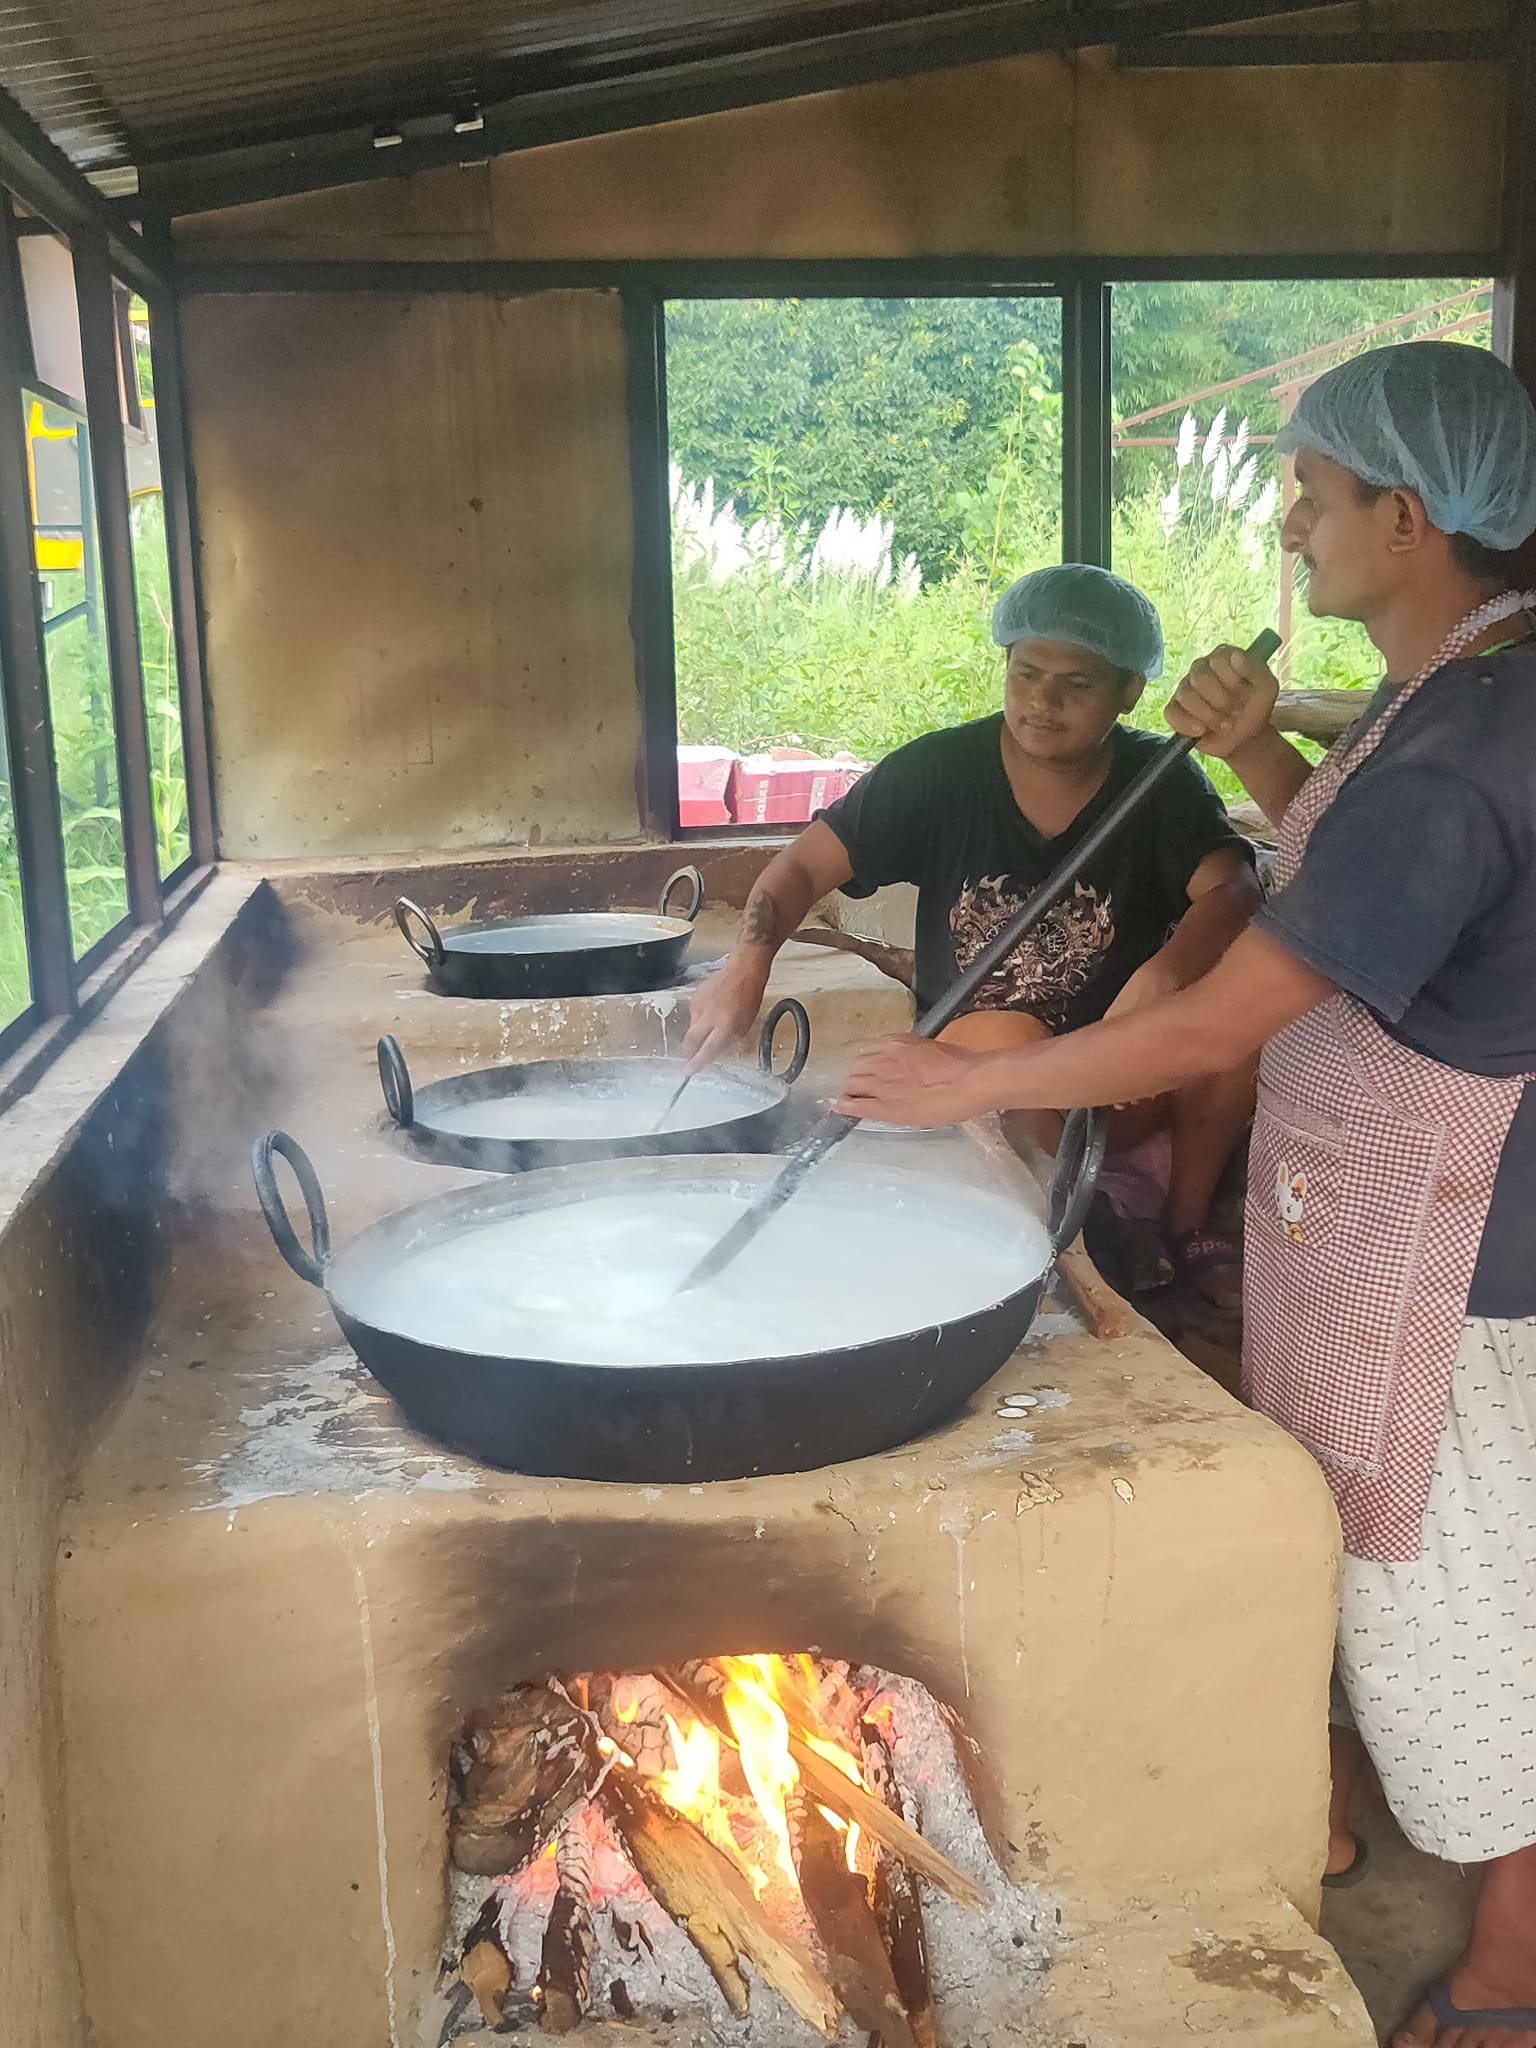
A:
569	1940
705	1686
897	1907
527	1763
484	1964
853	1803
838	1901
632	1712
754	1797
711	1900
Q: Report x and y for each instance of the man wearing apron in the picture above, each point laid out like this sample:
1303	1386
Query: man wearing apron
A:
1390	1298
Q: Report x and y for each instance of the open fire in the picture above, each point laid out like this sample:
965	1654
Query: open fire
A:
754	1800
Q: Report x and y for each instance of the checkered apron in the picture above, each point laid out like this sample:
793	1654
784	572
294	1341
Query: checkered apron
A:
1369	1181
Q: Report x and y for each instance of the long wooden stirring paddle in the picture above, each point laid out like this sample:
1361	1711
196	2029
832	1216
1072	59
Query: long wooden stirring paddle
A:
677	1096
833	1128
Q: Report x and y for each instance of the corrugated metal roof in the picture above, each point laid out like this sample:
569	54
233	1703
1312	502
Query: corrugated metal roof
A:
150	82
115	80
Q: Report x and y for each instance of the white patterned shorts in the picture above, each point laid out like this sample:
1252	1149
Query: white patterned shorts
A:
1438	1658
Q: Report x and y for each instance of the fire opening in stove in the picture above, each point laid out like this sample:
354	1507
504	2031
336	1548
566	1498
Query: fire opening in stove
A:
707	1845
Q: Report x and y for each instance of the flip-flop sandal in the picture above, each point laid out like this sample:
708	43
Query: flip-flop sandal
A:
1515	2019
1200	1255
1341	1880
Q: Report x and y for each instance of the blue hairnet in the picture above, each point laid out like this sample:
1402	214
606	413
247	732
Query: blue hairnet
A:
1086	607
1439	418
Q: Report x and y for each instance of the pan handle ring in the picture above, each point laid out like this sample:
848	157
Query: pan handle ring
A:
432	952
695	882
787	1007
395	1080
1078	1159
308	1262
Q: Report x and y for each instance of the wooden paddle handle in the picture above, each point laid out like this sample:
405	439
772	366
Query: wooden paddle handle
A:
1108	1315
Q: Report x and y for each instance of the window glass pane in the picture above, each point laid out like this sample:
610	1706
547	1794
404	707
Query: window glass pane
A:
53	314
853	480
68	566
15	986
1199	494
152	582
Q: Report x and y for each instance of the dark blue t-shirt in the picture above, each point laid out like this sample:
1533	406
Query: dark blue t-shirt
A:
1417	894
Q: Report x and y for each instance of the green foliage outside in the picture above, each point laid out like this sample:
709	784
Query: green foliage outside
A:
894	406
879	470
162	685
14	993
86	759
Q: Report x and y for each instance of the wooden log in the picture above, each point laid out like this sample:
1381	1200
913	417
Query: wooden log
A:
837	1900
632	1711
565	1970
1321	715
1108	1314
1253	824
846	1799
711	1900
488	1974
896	963
527	1762
897	1907
828	1784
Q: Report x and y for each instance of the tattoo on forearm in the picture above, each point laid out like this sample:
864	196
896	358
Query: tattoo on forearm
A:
760	920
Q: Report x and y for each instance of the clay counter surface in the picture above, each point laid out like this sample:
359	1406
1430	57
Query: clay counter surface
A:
276	1604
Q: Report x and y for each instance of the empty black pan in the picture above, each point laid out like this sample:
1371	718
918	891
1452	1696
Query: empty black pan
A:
562	953
728	1418
555	1112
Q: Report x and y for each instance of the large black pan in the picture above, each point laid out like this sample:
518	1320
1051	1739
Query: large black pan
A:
452	1122
657	1423
567	953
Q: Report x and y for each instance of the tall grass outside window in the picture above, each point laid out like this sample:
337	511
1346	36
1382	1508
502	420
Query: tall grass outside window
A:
854	481
152	586
15	981
67	560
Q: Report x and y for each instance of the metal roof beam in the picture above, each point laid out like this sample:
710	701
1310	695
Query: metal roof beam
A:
47	183
1428	46
646	97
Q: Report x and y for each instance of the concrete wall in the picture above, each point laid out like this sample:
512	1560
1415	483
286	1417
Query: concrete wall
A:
416	554
85	1195
414	512
1045	155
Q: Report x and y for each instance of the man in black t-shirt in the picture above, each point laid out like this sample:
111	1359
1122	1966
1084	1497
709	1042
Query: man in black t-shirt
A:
976	816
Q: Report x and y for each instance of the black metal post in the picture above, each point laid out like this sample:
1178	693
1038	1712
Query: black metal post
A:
24	677
94	285
181	549
1085	421
1514	289
650	618
772	277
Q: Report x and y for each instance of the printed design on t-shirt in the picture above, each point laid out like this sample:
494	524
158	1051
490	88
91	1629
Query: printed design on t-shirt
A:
1291	1200
1049	968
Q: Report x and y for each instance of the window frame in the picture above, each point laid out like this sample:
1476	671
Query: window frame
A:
1084	288
111	264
